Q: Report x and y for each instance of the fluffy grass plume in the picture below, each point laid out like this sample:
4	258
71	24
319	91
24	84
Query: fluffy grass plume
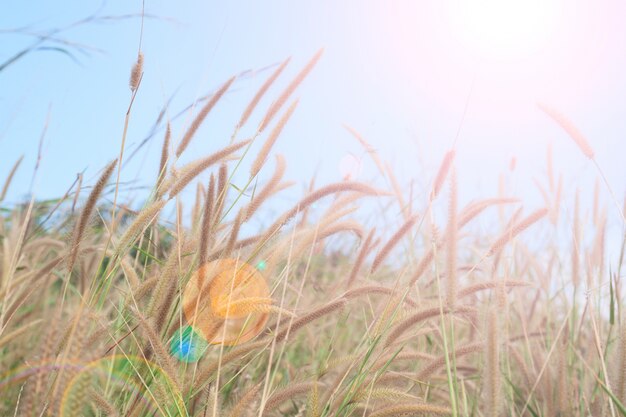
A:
85	215
202	114
271	140
289	90
570	129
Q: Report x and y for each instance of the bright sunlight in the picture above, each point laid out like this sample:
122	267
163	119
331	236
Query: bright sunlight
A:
506	29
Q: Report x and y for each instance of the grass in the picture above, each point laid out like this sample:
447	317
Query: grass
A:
107	310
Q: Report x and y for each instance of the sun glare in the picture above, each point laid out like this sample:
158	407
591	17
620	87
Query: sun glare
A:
505	29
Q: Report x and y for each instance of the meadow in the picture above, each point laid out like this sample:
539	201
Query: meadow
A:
110	307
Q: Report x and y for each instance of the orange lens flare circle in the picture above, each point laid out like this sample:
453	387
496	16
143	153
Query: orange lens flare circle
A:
227	301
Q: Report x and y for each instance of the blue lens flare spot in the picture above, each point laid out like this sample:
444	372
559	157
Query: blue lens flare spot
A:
261	265
187	345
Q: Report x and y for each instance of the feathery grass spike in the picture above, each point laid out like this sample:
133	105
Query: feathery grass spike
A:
204	112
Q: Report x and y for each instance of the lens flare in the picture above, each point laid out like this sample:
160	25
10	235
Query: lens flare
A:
227	301
187	345
261	265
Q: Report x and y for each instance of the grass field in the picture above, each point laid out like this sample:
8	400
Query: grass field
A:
462	308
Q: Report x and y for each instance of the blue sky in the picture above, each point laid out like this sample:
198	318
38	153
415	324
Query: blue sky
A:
401	73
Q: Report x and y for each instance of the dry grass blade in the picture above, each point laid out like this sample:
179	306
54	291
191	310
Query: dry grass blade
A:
237	353
162	354
312	404
474	209
136	72
234	232
165	149
285	394
368	148
222	191
365	248
393	241
492	366
85	216
141	223
346	226
441	361
376	289
386	394
141	291
257	97
245	401
442	174
620	388
422	315
316	314
9	179
267	190
193	169
103	404
481	286
452	242
419	409
12	336
516	229
207	222
576	243
422	266
316	195
204	112
282	99
79	184
271	140
571	130
397	190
